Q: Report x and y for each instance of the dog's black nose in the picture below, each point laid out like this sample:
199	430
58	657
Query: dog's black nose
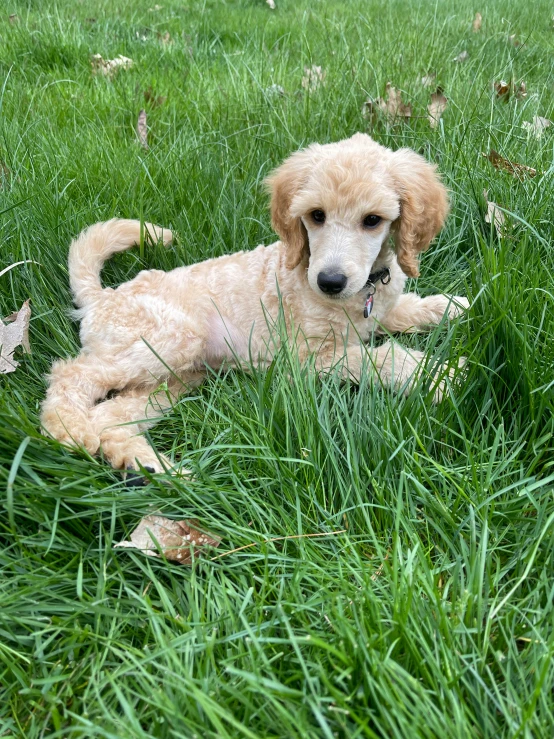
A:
331	283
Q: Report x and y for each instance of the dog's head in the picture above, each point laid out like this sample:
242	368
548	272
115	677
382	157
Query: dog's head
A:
334	207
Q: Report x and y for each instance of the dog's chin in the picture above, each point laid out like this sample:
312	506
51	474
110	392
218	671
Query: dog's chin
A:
342	296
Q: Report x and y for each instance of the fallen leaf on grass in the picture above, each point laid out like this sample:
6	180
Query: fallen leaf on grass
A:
393	108
504	90
275	91
154	100
271	4
14	18
521	171
109	67
494	216
14	332
164	38
429	79
538	126
142	129
175	539
463	56
436	107
314	76
477	22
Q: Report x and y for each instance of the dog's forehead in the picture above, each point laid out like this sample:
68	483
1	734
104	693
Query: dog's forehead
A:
349	180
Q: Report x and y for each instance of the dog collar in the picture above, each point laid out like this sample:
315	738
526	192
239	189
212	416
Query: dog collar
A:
383	276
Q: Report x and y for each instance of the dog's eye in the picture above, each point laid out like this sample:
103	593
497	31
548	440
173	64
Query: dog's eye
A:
372	221
318	216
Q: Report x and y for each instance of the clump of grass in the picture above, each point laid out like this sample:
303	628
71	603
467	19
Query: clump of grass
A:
431	615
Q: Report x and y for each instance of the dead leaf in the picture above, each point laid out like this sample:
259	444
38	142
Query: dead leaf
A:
314	76
155	101
175	539
164	38
429	79
494	216
109	67
142	130
14	332
14	18
275	91
521	171
437	107
477	22
463	56
538	126
504	90
393	108
271	4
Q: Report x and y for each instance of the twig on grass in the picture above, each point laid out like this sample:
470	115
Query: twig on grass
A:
278	538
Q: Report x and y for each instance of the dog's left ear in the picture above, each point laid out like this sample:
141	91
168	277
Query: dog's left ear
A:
283	184
423	207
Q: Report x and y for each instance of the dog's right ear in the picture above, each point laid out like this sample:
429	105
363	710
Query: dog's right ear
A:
283	184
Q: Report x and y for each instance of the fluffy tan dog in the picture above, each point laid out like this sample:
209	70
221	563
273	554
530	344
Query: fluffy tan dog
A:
333	274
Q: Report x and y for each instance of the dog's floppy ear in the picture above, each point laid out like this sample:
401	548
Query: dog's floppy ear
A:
283	184
423	207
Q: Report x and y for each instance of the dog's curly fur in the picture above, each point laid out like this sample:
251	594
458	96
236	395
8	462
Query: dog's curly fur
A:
165	328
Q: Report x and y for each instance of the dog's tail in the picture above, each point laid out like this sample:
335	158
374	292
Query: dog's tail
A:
94	245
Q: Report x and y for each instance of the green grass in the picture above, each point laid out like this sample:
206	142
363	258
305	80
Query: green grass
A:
432	614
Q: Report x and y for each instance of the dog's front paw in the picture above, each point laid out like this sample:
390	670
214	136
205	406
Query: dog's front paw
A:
457	306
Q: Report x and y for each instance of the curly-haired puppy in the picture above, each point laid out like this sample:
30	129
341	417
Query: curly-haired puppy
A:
334	277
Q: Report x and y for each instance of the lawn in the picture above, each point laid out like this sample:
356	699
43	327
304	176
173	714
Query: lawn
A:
424	607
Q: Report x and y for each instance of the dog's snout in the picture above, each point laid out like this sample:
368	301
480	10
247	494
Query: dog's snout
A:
331	282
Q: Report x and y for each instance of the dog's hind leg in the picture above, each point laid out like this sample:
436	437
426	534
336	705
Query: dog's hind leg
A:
120	421
75	386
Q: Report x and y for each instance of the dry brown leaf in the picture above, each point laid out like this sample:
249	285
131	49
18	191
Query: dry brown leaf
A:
494	216
437	107
154	100
314	76
271	4
175	539
142	129
521	171
538	126
504	90
429	79
393	108
164	38
14	332
14	18
477	22
275	91
463	56
109	67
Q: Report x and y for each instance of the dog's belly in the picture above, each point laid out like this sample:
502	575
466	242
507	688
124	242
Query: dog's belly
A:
227	344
